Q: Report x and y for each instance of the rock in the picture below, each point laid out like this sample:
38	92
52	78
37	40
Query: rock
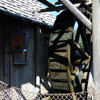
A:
47	98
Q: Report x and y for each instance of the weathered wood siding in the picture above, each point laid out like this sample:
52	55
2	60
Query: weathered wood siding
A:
1	50
37	57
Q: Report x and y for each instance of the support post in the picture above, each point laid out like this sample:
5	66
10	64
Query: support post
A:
96	47
78	14
38	83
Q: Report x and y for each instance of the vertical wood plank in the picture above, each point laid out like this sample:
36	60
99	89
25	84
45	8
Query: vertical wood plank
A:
38	58
1	49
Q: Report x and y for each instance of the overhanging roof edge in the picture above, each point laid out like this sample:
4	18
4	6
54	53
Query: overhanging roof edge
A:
25	18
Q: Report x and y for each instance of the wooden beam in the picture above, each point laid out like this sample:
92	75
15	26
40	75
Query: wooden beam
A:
87	7
58	46
60	51
59	59
58	8
87	78
78	1
74	44
53	9
73	1
78	14
59	2
79	88
82	31
77	35
59	36
61	41
46	3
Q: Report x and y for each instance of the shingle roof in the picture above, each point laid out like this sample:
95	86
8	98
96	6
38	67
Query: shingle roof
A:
25	9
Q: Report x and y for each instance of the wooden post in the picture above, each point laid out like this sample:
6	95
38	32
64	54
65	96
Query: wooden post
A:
37	59
96	46
77	13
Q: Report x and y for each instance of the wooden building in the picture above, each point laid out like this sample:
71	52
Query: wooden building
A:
23	43
29	64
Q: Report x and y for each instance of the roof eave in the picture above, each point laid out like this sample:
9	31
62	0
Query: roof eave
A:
25	18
